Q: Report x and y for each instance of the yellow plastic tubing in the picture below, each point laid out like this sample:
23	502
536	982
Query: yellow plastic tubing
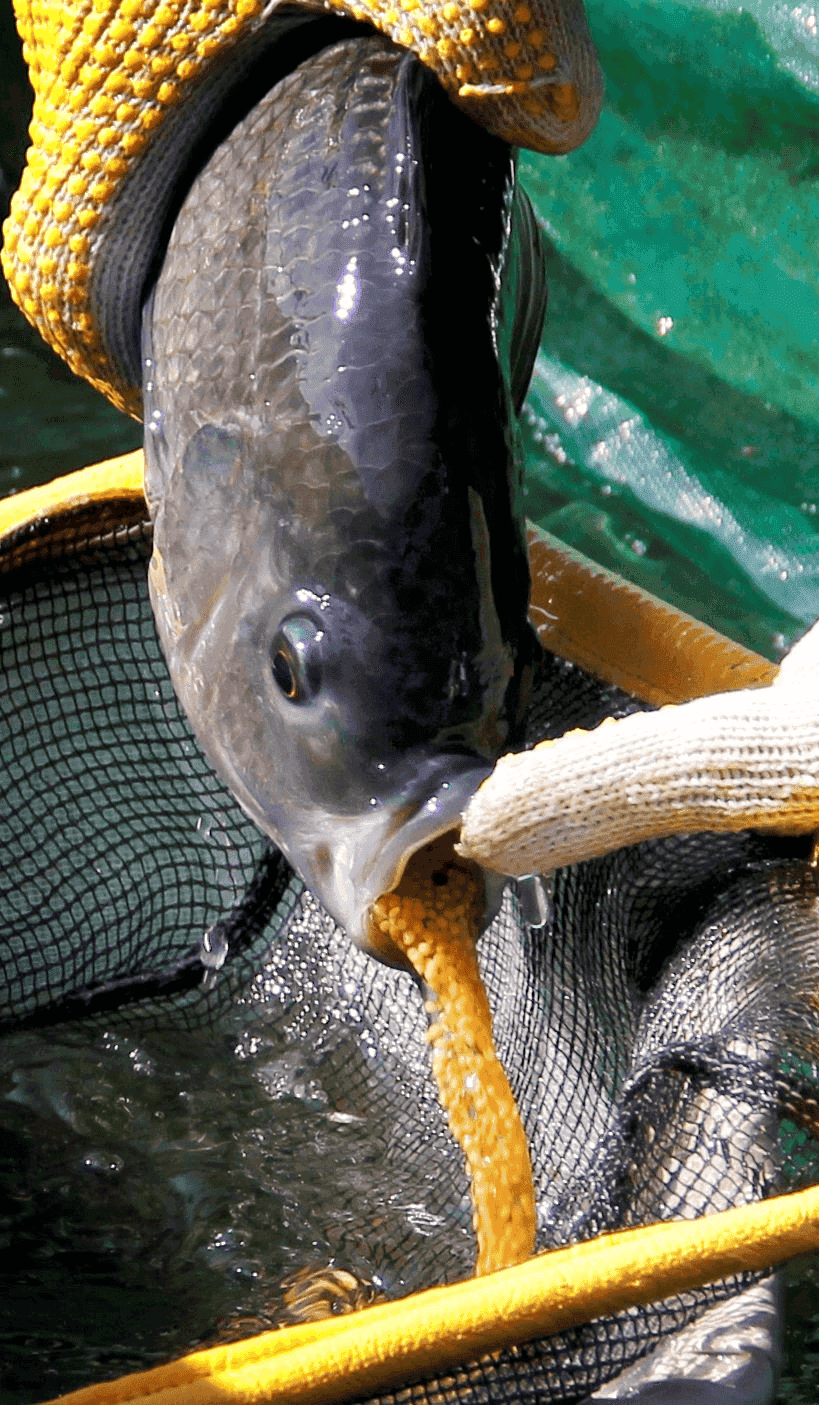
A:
116	478
330	1362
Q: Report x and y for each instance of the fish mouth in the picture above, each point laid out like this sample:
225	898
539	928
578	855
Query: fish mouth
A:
359	858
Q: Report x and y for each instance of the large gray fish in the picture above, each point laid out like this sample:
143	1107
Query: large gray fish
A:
336	349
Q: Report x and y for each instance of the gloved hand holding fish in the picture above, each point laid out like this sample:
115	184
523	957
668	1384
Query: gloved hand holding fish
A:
339	303
339	572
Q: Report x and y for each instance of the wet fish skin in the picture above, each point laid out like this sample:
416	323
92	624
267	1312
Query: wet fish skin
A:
339	337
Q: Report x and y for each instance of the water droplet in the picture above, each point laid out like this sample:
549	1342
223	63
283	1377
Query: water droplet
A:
103	1163
534	893
213	948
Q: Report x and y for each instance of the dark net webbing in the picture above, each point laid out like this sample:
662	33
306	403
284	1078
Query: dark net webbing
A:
124	852
655	1031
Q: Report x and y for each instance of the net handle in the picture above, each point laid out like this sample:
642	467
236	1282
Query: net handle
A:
381	1347
625	635
120	477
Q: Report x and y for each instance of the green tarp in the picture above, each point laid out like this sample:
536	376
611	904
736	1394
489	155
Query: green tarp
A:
674	418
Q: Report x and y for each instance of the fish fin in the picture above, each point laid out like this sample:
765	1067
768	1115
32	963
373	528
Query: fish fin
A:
526	263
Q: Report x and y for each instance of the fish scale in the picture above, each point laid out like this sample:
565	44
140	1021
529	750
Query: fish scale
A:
340	575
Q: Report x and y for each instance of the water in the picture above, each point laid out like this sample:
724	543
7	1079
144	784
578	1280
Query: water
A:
155	1184
50	421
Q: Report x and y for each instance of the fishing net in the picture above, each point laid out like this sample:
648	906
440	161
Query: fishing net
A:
657	1024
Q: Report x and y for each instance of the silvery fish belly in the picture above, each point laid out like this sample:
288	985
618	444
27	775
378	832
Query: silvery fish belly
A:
335	351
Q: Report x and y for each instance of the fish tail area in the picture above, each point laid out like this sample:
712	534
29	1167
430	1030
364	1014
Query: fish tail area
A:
530	296
126	96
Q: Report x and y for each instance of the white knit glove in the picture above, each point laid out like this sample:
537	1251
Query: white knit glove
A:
732	761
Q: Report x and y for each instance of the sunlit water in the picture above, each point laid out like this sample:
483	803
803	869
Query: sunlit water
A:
155	1185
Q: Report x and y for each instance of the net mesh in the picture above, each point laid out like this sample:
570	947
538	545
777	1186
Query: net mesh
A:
656	1030
84	727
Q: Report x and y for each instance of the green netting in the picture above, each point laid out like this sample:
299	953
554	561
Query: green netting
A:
673	427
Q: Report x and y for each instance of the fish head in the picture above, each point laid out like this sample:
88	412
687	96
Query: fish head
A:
352	682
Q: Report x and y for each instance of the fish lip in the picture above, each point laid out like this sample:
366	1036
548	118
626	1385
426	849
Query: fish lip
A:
371	852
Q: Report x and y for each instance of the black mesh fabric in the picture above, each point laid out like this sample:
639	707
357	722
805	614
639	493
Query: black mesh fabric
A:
656	1030
123	854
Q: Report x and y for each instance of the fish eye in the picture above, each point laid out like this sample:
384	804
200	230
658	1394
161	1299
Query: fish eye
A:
285	676
296	658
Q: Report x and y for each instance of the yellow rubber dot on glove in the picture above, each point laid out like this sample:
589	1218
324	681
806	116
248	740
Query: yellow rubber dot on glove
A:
433	919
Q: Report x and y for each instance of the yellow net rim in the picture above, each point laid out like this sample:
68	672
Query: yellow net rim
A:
327	1363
